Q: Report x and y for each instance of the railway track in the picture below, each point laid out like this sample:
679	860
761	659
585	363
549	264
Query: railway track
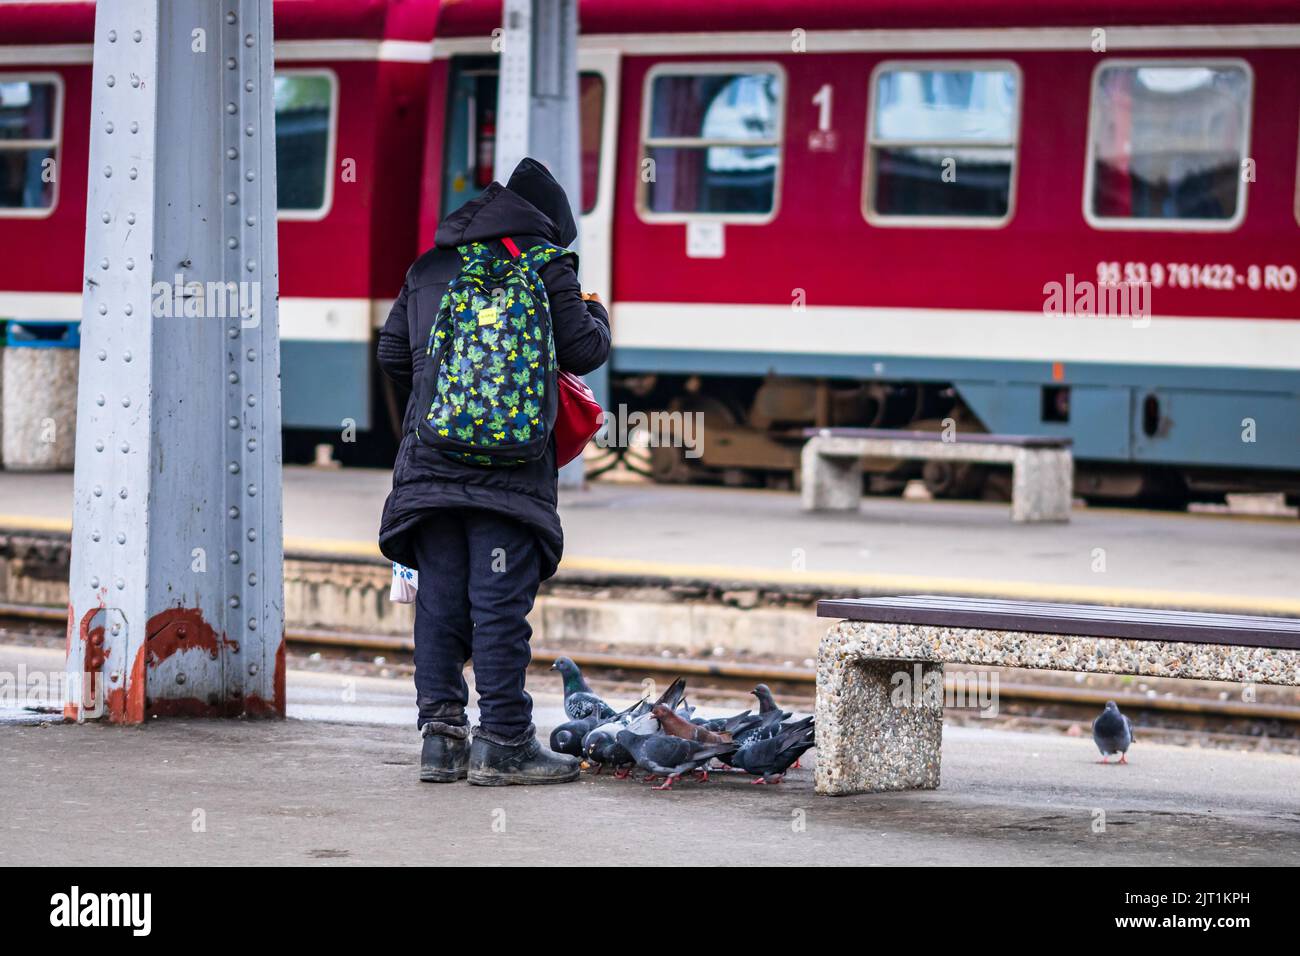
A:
1043	704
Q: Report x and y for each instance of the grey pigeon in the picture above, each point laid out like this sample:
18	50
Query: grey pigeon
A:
768	758
1112	732
766	702
723	725
600	746
767	725
670	757
579	701
567	737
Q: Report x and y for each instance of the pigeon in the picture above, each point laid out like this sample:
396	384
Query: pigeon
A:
766	702
767	705
768	758
600	748
737	728
567	737
600	745
668	756
765	725
1113	733
579	701
676	726
759	727
721	725
674	697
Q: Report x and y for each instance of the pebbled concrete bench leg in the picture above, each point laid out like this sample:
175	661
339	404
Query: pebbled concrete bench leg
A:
829	482
876	729
1042	485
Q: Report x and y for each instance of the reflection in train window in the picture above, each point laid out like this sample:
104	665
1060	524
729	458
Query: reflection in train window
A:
30	118
304	142
1166	145
941	143
591	112
712	141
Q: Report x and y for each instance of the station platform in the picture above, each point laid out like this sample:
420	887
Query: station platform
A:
1231	562
335	784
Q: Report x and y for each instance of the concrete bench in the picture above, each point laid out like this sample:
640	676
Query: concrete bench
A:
1042	480
872	738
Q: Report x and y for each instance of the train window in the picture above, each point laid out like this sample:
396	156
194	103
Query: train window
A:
305	107
30	121
712	141
941	143
591	99
1167	141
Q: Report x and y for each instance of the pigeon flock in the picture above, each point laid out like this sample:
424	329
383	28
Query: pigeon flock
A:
666	739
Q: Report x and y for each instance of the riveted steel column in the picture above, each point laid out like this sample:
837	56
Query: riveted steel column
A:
537	105
176	593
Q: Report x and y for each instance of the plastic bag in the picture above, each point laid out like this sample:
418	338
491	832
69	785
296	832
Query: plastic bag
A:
406	581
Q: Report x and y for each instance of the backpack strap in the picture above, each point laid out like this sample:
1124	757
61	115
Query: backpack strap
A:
511	247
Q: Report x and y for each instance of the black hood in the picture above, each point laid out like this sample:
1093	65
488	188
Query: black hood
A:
533	181
531	204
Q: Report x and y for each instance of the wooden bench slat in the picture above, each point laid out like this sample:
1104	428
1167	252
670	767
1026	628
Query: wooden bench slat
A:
1152	615
1087	620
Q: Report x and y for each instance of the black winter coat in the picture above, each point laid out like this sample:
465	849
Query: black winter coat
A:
425	480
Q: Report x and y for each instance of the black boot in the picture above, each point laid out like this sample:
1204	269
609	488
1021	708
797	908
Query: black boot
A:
444	758
497	763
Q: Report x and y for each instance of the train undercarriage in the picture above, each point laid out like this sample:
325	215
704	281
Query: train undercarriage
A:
753	430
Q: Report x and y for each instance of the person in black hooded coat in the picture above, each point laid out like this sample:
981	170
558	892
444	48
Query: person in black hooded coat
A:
482	538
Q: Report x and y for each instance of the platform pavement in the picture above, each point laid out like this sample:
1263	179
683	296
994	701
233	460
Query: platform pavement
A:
325	792
1121	556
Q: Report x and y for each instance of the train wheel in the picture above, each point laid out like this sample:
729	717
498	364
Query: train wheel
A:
669	464
949	479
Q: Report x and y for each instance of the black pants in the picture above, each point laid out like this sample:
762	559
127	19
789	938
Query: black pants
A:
479	574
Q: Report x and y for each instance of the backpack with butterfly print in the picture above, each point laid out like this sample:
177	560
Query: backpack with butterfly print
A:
490	360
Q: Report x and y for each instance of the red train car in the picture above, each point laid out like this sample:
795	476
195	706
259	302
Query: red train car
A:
1029	217
351	87
873	212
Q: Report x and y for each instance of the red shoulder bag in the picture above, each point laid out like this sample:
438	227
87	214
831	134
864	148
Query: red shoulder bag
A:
577	417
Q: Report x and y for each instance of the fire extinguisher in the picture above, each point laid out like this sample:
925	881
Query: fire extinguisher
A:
487	144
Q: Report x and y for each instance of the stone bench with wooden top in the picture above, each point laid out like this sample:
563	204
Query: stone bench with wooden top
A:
871	738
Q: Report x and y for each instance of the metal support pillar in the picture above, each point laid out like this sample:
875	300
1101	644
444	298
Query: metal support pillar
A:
537	107
176	591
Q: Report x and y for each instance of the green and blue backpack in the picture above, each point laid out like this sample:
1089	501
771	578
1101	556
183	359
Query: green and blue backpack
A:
490	360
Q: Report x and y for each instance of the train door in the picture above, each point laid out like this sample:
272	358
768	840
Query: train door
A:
469	154
470	137
469	149
598	79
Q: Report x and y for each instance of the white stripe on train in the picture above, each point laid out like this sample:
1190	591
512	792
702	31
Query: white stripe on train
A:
301	318
957	334
837	330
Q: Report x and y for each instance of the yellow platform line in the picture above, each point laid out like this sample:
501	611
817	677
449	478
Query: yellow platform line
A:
31	523
812	579
334	546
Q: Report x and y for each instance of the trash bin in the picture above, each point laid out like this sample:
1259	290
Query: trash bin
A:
38	395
